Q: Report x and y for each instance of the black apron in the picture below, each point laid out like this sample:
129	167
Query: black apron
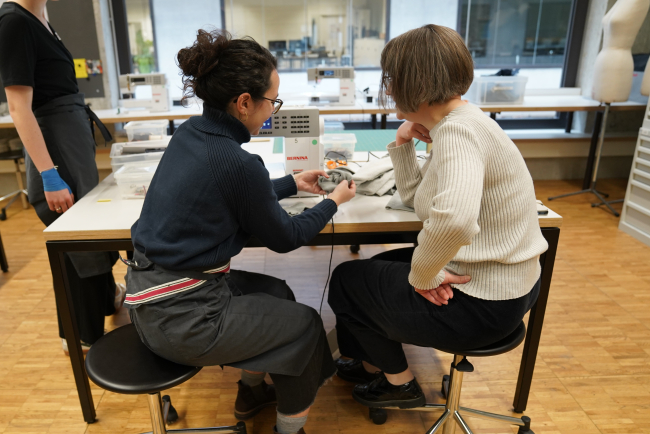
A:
66	124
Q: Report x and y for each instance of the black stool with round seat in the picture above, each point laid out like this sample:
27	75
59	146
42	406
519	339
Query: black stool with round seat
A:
452	411
121	363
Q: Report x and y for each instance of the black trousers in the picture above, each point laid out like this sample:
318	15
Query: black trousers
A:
254	323
93	298
377	310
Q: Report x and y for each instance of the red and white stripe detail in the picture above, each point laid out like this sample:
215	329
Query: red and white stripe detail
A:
169	288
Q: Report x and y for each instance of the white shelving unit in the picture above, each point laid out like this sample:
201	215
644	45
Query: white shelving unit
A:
635	219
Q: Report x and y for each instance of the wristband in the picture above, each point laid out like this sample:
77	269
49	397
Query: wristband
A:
52	181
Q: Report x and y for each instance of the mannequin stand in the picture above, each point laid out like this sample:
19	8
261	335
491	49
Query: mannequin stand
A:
594	175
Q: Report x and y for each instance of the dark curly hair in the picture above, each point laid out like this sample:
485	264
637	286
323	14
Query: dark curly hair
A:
218	68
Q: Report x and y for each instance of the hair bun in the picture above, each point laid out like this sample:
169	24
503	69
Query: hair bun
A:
203	56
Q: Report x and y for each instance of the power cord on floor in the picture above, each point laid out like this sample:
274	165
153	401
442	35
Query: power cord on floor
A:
329	273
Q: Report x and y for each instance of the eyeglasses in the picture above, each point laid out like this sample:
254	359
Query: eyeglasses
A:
277	103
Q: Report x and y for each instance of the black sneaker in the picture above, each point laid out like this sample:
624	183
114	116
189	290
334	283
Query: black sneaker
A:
251	400
352	370
380	393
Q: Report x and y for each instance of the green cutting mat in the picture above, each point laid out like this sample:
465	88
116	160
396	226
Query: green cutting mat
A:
367	140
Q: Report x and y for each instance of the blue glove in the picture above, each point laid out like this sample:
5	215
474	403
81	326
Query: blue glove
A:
52	181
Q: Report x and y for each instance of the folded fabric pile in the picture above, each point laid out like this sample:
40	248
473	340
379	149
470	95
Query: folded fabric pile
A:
375	178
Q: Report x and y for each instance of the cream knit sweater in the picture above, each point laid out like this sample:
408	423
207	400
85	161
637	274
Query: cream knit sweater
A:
477	201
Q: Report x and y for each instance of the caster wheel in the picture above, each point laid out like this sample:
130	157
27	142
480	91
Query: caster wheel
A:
241	428
353	248
172	414
526	428
445	385
378	416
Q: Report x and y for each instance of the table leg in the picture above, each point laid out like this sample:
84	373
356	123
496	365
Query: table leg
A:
172	128
373	120
4	265
383	121
21	186
535	322
569	123
68	320
586	182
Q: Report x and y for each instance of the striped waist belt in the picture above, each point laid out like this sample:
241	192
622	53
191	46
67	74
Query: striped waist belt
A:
188	280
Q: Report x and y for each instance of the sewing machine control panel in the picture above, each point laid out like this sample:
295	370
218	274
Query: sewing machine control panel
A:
292	122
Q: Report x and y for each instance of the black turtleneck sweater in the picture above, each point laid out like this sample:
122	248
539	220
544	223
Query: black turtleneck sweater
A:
209	196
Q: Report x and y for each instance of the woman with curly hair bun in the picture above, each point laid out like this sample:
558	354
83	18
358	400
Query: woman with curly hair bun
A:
207	198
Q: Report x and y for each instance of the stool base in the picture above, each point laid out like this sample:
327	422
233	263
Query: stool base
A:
161	412
452	412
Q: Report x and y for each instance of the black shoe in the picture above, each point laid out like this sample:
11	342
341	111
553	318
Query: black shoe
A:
380	393
352	370
251	400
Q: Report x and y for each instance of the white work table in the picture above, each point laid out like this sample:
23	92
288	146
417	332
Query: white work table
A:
102	220
102	214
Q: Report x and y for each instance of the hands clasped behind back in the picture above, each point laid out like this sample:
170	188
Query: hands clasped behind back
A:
443	293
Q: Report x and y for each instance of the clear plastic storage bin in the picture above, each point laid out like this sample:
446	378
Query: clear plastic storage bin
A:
146	130
133	152
497	90
133	179
339	145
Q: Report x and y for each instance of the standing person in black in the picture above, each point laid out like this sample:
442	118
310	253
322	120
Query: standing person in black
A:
53	122
207	198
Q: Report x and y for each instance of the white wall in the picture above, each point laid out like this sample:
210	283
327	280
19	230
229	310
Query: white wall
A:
175	26
410	14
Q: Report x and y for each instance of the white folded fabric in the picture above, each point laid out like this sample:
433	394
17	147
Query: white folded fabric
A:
372	170
378	186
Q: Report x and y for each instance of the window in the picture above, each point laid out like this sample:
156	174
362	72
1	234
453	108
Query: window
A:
515	33
141	36
307	33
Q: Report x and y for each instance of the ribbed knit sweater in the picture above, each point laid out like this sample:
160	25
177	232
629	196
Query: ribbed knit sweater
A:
209	196
476	199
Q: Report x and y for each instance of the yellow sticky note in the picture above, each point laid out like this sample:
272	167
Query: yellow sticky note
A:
80	70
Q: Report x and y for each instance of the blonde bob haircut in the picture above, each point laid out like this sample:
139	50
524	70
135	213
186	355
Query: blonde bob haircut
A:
430	64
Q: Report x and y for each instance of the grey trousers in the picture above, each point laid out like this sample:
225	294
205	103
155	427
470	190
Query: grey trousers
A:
245	320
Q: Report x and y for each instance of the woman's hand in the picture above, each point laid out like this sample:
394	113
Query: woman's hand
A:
59	201
442	294
343	192
307	181
409	131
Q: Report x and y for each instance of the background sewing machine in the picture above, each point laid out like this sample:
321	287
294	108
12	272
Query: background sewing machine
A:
300	129
345	75
155	99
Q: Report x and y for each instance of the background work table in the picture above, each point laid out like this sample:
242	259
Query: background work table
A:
558	103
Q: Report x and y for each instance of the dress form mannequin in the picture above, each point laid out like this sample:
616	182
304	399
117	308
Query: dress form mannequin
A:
614	66
613	72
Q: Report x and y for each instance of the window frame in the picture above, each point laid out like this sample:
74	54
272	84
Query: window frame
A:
563	120
575	33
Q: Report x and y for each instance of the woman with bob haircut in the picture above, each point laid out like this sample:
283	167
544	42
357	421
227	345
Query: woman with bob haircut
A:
475	271
207	198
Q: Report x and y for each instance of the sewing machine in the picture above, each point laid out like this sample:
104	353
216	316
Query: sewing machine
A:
156	101
345	75
300	128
